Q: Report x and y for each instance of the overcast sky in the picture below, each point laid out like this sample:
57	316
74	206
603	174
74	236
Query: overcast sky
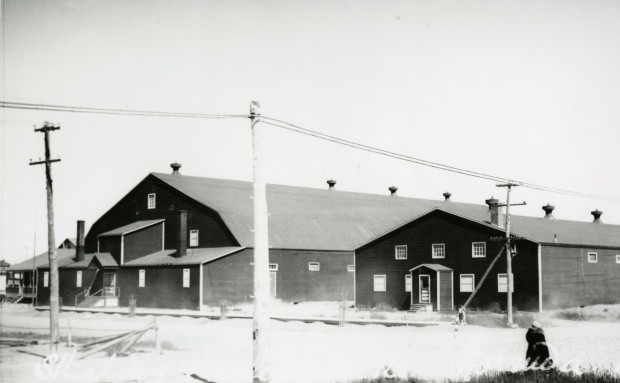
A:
527	90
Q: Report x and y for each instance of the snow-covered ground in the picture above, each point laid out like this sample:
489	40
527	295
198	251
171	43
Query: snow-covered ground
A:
221	351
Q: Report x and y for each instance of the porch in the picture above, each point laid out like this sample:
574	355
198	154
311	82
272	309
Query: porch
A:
432	288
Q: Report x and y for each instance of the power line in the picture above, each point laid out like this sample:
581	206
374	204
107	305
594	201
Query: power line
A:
298	129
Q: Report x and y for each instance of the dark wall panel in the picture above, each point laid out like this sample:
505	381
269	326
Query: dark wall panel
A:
143	242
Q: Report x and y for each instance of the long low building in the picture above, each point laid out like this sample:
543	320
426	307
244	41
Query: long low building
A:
178	241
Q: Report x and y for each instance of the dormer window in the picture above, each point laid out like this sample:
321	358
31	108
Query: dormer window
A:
193	238
151	201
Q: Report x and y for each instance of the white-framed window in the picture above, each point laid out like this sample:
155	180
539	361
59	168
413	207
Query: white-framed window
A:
350	268
151	201
502	283
617	258
46	279
592	257
193	238
439	250
400	251
380	282
78	278
141	277
273	267
408	283
314	266
467	283
186	278
478	249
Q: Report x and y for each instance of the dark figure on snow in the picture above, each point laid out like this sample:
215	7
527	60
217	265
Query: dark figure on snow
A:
461	317
537	354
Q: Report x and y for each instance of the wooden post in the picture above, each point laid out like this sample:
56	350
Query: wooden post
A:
260	328
508	258
51	242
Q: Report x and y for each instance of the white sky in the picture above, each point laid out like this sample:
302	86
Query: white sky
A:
528	90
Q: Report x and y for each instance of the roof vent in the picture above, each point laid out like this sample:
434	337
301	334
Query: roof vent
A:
497	215
491	201
175	168
447	195
548	211
597	216
331	183
393	189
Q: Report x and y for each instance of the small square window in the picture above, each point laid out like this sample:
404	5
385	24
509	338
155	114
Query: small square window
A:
502	283
193	238
350	268
78	278
400	252
141	277
592	257
273	267
618	258
408	283
439	250
46	279
467	283
151	201
380	282
478	249
314	266
186	278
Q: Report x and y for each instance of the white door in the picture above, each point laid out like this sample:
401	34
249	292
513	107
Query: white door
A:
425	289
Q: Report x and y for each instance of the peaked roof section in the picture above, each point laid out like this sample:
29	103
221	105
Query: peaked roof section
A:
104	259
433	266
193	257
135	226
63	257
567	232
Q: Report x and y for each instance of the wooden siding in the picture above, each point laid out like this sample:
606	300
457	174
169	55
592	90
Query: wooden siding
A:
457	234
67	289
163	287
231	278
133	207
569	280
445	291
110	245
143	242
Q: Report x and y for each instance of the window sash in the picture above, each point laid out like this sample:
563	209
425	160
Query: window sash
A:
592	257
78	278
400	252
439	250
314	266
193	238
478	249
273	267
186	278
502	283
379	282
151	201
46	279
351	268
467	283
141	278
408	283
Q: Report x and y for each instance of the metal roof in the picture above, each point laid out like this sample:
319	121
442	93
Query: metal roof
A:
105	260
322	219
433	266
130	228
63	257
193	257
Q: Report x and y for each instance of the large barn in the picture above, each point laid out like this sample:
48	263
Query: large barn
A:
177	241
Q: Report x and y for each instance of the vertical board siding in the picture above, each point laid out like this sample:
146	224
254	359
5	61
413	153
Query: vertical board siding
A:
143	242
110	245
457	234
445	285
133	207
163	287
569	280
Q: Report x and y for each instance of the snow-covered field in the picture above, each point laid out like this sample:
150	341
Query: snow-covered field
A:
221	351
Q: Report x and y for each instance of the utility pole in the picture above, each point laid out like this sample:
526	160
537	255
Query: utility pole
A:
260	328
508	187
51	241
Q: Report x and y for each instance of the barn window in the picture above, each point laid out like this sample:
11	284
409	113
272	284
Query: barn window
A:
46	279
592	257
400	252
350	268
193	238
273	267
186	278
478	249
408	283
617	258
151	201
141	277
314	266
78	278
439	250
467	283
380	282
502	283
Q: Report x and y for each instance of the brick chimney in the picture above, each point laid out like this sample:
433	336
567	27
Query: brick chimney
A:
79	246
446	196
597	216
175	168
393	189
497	216
548	211
331	183
181	233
